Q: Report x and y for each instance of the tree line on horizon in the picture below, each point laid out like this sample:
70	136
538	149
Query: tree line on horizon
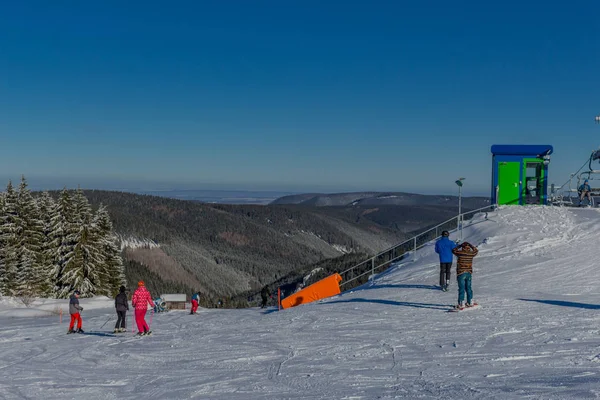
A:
49	248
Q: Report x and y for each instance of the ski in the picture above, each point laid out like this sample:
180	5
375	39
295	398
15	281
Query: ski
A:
465	308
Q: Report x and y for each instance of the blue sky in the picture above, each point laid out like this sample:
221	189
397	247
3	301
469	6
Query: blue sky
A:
293	95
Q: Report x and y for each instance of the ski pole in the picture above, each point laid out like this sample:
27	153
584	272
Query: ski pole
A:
151	315
109	318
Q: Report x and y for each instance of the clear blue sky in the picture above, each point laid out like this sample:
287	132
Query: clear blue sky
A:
293	95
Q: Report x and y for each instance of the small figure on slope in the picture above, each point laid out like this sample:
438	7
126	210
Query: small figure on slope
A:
264	295
195	300
74	310
464	270
140	301
444	248
122	307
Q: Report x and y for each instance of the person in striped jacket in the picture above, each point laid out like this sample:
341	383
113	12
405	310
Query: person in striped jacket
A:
464	270
140	301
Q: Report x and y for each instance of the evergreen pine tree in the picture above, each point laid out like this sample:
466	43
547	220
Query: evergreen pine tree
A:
113	273
2	247
63	234
48	214
10	226
84	265
30	274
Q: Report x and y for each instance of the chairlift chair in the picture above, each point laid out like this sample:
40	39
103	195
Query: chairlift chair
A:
572	195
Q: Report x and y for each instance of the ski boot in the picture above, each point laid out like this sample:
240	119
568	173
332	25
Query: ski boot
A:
70	331
80	330
147	333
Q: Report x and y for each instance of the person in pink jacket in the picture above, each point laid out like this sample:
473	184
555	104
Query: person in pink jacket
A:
140	300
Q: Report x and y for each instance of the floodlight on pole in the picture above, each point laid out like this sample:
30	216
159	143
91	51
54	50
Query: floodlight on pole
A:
460	184
597	119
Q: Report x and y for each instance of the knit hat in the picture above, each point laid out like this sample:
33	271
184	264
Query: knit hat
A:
122	289
77	292
141	283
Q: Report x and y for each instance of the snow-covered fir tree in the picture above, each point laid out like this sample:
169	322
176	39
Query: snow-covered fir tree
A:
31	274
84	265
113	275
48	211
50	248
64	230
2	248
10	226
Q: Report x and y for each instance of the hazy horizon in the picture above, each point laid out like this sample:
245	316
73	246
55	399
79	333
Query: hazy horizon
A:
58	183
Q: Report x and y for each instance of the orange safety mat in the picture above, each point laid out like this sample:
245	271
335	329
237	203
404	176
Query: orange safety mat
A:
326	287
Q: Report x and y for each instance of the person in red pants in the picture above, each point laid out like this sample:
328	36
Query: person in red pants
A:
74	310
140	300
195	299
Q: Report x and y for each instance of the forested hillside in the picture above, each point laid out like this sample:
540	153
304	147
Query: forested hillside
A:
223	250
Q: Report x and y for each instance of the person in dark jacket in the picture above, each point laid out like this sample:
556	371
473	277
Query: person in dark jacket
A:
264	294
444	248
122	307
464	270
74	310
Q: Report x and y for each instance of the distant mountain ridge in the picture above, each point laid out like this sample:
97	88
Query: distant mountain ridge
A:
225	249
379	199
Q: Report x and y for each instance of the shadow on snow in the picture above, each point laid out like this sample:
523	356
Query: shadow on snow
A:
398	286
98	334
443	307
565	304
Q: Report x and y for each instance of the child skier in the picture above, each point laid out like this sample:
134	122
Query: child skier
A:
195	300
122	307
74	309
464	269
140	300
444	248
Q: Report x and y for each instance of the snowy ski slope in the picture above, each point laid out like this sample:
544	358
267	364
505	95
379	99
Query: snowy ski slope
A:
536	335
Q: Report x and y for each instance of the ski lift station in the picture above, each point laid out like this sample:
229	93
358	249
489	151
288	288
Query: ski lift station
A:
520	174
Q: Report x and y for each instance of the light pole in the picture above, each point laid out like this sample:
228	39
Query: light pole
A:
460	184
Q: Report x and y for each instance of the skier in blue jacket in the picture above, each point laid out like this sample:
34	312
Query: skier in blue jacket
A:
444	248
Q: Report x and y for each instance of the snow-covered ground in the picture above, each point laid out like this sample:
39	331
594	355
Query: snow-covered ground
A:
536	335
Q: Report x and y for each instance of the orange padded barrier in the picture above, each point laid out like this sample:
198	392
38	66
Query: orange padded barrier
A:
327	287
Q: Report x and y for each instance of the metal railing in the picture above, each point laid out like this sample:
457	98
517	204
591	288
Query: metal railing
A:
360	273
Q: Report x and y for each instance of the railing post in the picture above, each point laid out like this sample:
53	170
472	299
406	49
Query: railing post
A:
436	232
373	268
415	248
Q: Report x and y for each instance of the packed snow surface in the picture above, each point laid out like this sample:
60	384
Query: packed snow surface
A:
536	335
